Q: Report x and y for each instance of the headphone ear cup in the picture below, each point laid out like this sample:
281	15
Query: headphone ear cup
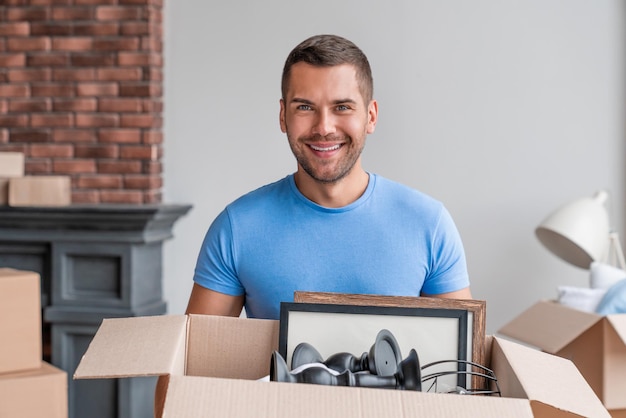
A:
384	356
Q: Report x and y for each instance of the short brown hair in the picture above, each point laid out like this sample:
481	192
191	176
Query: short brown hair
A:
328	51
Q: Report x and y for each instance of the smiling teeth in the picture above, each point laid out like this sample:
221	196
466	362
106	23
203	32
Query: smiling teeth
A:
334	147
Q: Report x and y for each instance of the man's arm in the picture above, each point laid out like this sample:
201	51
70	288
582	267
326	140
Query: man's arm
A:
458	294
208	302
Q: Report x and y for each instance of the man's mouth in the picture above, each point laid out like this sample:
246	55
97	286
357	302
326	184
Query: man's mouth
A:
325	149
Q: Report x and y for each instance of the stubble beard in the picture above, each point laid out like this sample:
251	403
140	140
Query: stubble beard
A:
343	167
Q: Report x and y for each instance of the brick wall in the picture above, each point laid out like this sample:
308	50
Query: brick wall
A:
81	94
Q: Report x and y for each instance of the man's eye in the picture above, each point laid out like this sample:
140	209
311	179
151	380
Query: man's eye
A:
342	107
303	107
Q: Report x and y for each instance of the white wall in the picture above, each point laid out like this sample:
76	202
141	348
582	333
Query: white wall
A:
503	110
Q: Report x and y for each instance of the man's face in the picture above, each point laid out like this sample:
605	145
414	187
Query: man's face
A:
326	120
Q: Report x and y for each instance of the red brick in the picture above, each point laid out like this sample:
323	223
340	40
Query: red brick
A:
30	105
116	44
119	74
99	182
152	105
41	43
75	105
97	151
97	28
94	2
36	74
97	89
135	28
120	105
121	196
52	90
14	29
73	166
153	167
152	137
12	60
140	152
93	60
4	136
51	151
150	43
74	135
72	44
27	13
118	13
85	196
30	135
140	121
49	2
143	182
72	13
73	74
154	74
119	167
8	120
152	197
150	89
48	60
51	120
50	29
92	120
38	166
14	90
120	136
139	58
4	106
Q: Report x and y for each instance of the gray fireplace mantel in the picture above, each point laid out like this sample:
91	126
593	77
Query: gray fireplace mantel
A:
95	262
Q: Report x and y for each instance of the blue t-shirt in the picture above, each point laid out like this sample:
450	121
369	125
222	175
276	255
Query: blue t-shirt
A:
273	241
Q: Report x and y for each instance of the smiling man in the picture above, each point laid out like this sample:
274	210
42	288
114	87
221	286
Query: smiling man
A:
330	226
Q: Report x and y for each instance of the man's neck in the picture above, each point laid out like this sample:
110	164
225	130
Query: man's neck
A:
333	195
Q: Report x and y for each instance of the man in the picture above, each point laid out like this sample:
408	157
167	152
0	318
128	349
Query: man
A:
331	226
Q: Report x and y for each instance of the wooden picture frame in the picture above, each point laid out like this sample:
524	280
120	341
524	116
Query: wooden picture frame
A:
436	334
476	309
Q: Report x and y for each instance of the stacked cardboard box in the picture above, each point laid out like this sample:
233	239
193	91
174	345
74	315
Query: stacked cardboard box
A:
29	387
595	344
16	189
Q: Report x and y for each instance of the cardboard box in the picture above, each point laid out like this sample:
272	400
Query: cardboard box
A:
11	165
40	191
34	394
20	320
595	344
213	364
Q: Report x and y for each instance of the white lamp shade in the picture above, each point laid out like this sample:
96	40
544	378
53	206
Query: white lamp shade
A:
578	232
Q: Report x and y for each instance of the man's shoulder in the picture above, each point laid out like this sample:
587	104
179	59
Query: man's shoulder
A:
400	192
265	195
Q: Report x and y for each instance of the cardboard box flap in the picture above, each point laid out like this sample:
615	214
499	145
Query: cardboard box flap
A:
618	322
139	346
549	380
217	345
187	398
549	325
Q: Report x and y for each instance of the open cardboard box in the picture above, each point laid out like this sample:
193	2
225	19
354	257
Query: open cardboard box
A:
213	364
595	344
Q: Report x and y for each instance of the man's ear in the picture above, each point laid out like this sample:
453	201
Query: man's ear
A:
372	116
281	117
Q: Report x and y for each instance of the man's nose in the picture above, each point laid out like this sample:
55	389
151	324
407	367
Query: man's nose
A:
324	123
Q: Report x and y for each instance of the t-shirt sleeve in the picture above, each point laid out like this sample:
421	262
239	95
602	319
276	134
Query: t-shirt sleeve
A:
215	267
448	270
